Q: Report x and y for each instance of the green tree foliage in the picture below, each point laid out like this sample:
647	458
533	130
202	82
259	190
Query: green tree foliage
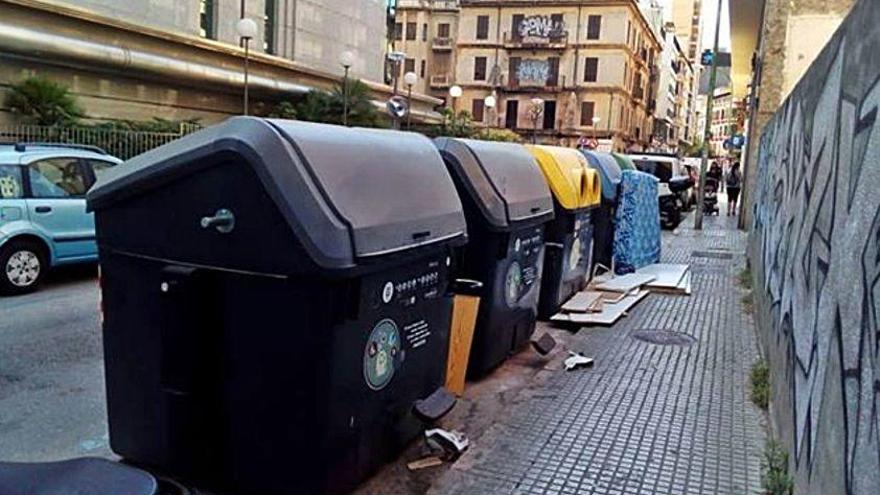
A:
499	135
319	106
44	102
456	125
284	110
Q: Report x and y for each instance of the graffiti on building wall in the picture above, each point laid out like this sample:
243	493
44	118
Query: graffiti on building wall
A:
533	71
817	225
540	26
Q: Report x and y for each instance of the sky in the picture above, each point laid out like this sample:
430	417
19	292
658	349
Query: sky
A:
710	8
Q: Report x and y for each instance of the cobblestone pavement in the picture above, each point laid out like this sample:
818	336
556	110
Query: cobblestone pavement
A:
648	418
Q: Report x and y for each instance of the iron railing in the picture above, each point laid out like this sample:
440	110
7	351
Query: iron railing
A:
120	143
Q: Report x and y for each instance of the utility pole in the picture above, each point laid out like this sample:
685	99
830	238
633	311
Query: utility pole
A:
707	134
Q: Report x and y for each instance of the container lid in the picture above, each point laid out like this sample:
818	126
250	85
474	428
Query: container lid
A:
624	162
501	178
609	172
346	193
573	184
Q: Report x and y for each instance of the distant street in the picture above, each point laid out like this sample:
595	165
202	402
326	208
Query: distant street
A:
51	372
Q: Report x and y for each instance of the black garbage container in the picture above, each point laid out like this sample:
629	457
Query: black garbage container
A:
569	251
506	203
275	301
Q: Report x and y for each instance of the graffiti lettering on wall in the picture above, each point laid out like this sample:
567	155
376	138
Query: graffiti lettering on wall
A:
817	222
533	71
540	26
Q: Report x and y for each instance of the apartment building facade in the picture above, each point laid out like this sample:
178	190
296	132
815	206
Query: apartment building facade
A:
687	18
726	120
135	60
674	114
559	70
426	30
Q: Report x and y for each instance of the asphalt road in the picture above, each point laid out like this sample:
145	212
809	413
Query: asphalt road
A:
51	371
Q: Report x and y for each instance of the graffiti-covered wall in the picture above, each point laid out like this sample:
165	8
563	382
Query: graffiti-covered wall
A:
815	253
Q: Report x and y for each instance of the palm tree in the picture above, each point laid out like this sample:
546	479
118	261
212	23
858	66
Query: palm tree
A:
44	102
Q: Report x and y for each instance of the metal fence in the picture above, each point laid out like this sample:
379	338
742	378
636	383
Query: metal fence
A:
120	143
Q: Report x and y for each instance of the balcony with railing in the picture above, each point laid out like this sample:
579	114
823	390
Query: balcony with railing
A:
442	44
440	81
557	40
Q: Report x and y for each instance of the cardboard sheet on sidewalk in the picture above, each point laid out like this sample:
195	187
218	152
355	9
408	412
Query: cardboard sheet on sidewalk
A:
611	312
582	302
625	283
665	275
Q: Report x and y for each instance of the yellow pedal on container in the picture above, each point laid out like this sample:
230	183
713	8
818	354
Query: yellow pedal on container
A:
568	256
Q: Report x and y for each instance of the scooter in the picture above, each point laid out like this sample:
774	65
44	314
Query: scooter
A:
672	200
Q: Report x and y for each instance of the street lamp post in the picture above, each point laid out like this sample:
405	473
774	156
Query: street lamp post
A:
346	59
707	134
535	112
409	79
596	121
454	92
490	102
396	59
247	30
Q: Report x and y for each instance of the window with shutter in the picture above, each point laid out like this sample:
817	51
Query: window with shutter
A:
482	27
588	109
594	27
591	69
515	25
553	73
512	78
477	107
479	68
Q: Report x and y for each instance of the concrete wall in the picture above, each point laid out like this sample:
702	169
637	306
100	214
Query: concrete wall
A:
784	52
815	252
313	32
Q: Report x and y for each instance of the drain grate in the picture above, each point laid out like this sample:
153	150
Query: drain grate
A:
721	255
663	337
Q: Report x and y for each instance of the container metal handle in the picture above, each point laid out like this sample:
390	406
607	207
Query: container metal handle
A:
223	221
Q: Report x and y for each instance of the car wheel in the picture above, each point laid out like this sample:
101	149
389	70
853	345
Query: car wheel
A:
22	267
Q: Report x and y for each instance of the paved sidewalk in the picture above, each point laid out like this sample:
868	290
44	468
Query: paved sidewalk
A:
648	418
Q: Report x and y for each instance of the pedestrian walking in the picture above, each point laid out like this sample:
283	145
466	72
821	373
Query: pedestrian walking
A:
734	184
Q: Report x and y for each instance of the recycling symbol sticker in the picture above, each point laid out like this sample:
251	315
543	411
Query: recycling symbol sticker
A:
382	354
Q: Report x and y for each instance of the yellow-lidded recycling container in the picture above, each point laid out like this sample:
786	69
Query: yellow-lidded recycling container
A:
568	254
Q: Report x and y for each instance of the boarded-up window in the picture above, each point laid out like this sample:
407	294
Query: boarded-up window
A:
482	27
511	114
553	72
477	107
591	69
594	27
479	68
411	30
515	23
512	71
588	111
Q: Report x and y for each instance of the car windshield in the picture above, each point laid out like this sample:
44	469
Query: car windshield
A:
661	170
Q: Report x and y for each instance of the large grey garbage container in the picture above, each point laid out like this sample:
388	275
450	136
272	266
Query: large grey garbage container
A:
275	301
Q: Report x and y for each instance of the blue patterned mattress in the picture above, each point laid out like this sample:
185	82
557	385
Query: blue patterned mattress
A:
637	223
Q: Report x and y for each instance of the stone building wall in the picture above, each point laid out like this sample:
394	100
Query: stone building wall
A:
815	252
